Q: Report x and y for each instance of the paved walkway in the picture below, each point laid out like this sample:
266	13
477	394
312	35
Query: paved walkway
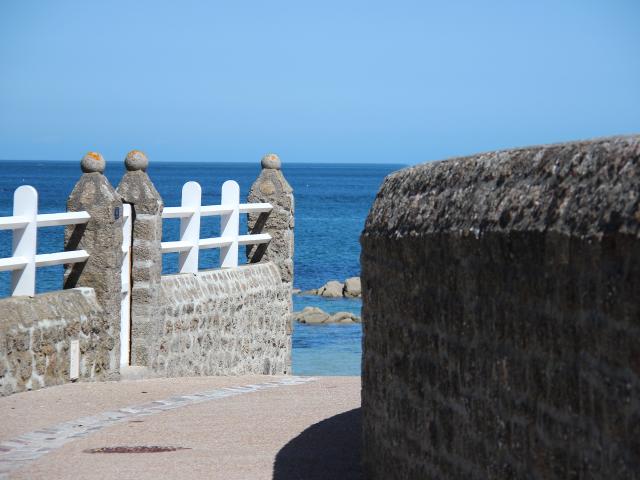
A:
219	427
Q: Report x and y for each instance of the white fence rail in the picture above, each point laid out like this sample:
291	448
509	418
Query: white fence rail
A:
229	211
25	222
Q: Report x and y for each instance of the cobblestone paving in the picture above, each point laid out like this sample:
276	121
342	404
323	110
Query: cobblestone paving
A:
19	451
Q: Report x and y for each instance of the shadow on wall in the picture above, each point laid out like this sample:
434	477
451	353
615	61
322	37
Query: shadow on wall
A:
328	449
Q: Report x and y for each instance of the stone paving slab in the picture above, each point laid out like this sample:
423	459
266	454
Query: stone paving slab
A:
230	427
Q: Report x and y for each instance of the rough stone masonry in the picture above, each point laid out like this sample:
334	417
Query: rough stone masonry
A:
501	316
35	334
223	322
272	187
137	189
101	237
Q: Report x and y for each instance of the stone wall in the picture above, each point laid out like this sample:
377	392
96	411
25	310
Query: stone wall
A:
224	322
35	335
501	316
218	322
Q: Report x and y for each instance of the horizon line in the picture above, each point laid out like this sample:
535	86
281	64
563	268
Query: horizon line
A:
214	162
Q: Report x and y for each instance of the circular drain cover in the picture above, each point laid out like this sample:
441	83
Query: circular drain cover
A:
134	449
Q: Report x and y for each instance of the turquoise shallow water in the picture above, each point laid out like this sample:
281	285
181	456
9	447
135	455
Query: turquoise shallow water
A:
327	349
332	349
332	202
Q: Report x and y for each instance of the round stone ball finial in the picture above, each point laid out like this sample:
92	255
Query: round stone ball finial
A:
93	162
136	160
271	160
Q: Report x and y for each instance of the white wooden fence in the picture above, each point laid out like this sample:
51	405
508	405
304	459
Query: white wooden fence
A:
25	223
229	211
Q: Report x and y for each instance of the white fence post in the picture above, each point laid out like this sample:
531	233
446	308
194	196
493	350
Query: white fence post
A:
25	222
229	240
190	227
230	223
25	204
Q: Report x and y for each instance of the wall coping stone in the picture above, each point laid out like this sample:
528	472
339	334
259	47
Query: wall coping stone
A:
580	188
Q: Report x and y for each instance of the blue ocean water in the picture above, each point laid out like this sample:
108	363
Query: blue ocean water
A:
332	201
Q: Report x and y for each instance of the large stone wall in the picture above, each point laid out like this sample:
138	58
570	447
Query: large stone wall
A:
224	322
35	336
501	315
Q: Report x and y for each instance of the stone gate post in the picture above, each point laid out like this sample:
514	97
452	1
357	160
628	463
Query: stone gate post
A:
101	237
137	189
272	187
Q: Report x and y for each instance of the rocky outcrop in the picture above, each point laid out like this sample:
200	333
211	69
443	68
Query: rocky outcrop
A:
332	289
314	315
311	315
344	317
350	288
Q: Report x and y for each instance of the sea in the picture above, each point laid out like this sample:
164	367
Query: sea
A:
331	205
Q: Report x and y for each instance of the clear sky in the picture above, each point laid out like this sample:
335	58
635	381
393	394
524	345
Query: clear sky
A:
324	81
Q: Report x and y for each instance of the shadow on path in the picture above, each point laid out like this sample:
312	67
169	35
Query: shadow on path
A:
328	449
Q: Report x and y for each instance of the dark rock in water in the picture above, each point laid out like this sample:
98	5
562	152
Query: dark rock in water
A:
334	289
314	315
311	315
343	317
352	287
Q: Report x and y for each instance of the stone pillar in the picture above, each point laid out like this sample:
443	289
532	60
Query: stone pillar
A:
101	237
271	187
137	189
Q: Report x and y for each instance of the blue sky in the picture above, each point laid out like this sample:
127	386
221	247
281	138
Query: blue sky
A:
330	81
